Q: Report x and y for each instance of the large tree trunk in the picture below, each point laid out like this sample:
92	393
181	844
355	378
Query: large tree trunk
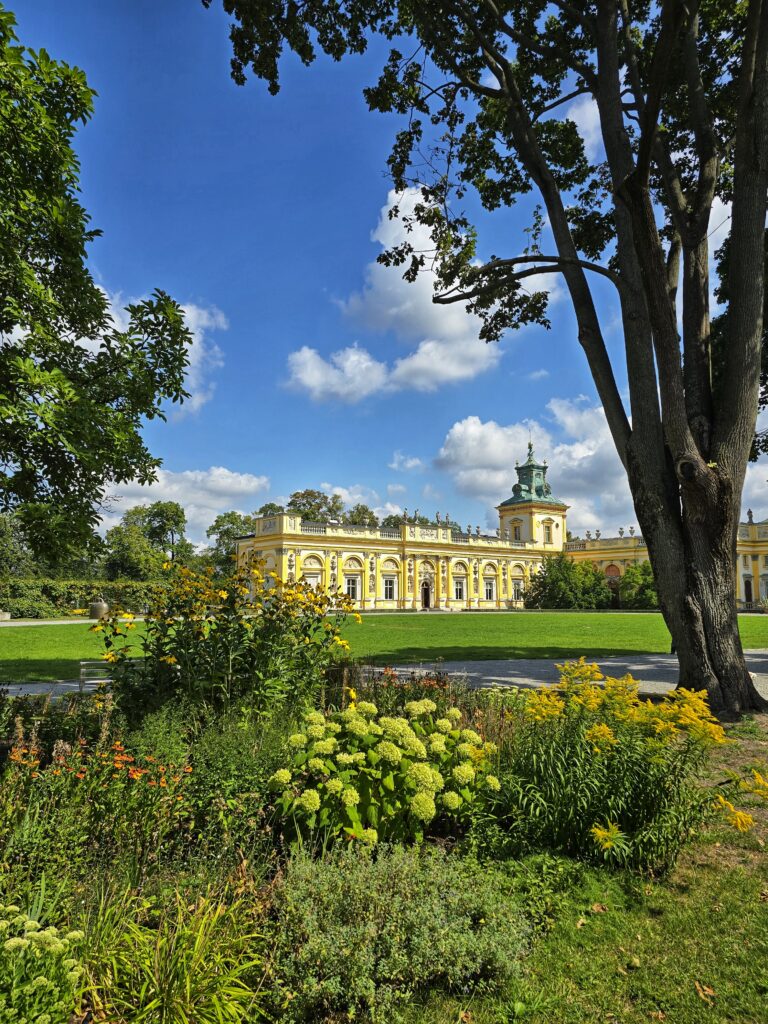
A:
694	563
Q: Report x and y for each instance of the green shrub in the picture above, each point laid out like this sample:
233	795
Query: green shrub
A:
198	964
373	777
228	793
165	734
88	807
40	974
356	935
42	598
250	640
590	770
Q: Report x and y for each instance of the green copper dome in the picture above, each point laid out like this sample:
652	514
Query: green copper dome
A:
532	484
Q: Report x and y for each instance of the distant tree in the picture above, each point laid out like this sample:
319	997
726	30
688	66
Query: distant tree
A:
270	508
563	583
637	587
360	515
316	506
131	555
163	523
223	531
16	559
71	413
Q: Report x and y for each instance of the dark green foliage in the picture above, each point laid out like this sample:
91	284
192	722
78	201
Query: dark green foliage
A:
233	759
637	587
49	598
223	531
563	583
316	506
355	936
360	515
70	414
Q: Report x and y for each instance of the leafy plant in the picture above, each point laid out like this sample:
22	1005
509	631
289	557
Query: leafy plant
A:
356	935
374	777
40	972
183	965
591	770
250	639
89	805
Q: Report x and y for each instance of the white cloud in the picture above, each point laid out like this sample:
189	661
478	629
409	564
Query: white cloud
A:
430	493
360	494
393	489
584	113
205	356
538	375
350	374
356	494
585	471
203	493
447	349
755	493
404	463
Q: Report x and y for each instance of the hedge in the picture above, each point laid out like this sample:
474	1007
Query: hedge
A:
45	598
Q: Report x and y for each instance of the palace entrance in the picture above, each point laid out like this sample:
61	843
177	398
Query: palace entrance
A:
426	595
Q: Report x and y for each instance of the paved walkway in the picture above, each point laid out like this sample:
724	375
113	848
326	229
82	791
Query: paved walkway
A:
656	673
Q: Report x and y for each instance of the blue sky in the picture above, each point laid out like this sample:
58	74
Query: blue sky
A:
312	366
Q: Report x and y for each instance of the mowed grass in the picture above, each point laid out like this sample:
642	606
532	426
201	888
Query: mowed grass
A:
54	652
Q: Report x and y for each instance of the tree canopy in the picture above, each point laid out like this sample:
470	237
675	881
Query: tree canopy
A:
563	583
316	506
224	531
360	515
75	388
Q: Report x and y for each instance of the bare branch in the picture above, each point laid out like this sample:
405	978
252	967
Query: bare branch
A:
559	102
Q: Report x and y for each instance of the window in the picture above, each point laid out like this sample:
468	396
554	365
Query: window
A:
351	587
517	590
458	589
313	579
516	533
547	534
765	560
389	588
490	589
745	561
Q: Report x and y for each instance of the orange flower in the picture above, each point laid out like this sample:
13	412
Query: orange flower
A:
80	775
163	784
188	768
152	782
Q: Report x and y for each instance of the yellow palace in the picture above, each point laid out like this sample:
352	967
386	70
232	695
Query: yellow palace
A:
439	567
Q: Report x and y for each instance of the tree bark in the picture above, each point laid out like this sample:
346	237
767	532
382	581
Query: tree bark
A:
699	602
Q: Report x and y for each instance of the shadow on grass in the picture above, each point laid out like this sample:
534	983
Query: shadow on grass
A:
407	655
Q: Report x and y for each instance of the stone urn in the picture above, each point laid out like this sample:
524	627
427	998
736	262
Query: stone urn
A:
98	608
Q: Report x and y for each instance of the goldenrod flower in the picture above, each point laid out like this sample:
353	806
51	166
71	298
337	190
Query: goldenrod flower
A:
606	836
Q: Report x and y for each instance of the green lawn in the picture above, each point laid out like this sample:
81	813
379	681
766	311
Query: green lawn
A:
53	652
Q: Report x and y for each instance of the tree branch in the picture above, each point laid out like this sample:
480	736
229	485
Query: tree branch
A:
549	265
